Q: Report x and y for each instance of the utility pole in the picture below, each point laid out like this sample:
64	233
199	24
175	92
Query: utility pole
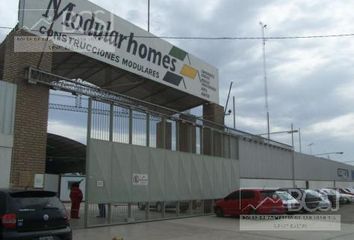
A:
227	100
264	26
293	155
234	110
148	15
299	140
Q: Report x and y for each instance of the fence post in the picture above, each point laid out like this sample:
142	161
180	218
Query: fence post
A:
87	171
111	120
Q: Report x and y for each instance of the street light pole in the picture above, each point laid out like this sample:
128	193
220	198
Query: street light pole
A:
234	110
328	153
310	146
264	26
293	155
148	15
299	140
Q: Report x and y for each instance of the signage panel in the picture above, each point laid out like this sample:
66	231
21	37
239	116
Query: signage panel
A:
84	27
140	179
343	173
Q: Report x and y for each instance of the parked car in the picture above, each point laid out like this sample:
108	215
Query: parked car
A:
308	200
349	197
249	201
350	189
289	202
183	205
33	215
325	203
344	191
343	198
332	195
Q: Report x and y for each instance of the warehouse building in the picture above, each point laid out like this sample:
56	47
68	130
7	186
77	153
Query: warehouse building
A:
142	146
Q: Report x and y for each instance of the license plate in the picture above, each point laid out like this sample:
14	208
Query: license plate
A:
47	238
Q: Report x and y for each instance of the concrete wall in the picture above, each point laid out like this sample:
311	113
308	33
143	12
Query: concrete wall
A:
7	115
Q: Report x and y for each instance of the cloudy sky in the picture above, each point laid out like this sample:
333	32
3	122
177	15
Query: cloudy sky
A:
310	81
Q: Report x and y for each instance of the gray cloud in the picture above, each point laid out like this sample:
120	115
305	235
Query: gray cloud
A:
310	80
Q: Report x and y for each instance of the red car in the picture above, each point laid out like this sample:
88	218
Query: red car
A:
249	201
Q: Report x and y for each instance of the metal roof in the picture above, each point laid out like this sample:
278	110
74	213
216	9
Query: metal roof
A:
64	155
74	65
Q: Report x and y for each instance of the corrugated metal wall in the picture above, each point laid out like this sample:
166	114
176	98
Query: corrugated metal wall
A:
263	161
314	168
260	162
7	116
172	176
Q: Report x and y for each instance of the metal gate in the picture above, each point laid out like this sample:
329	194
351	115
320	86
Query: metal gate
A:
170	164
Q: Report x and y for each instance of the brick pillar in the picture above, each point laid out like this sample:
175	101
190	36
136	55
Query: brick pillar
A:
212	140
31	115
161	141
187	134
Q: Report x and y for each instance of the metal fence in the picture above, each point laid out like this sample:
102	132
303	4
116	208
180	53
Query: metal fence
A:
116	118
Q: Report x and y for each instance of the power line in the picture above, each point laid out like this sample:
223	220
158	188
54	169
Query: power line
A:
226	37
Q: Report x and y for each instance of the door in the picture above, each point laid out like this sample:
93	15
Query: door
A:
231	203
247	202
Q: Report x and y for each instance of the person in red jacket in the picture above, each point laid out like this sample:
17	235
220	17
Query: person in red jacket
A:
76	198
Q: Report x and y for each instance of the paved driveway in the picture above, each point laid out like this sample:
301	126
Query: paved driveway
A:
208	227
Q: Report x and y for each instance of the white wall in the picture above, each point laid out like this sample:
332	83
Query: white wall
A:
5	166
65	186
320	184
344	184
7	115
275	183
51	182
265	183
300	183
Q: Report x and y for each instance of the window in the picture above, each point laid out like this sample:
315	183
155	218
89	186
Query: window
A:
247	194
2	203
35	200
233	196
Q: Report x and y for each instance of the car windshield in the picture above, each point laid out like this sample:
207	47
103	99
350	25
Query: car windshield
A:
311	193
284	195
330	191
267	193
35	201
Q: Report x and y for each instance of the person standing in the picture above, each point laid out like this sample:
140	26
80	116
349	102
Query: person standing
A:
102	210
76	198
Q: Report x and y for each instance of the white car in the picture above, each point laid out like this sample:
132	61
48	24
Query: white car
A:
325	204
350	190
289	202
343	197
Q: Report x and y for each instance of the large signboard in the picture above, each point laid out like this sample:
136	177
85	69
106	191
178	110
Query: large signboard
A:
343	173
84	27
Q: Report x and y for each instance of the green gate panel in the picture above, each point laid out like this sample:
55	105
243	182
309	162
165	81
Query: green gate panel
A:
172	176
99	181
156	175
122	173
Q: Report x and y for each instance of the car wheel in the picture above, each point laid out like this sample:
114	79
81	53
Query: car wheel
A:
219	212
252	211
158	207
